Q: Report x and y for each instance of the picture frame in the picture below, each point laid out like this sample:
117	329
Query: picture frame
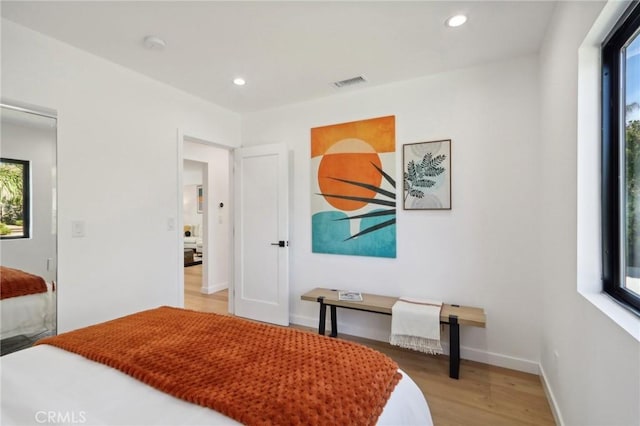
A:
353	187
200	198
427	175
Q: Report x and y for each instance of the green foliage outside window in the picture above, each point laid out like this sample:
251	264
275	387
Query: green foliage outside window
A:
11	193
633	192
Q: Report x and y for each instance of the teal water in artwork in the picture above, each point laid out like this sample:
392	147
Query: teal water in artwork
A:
331	235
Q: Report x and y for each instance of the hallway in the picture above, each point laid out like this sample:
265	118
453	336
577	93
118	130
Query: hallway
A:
195	300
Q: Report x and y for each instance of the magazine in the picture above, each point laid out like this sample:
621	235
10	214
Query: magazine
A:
354	296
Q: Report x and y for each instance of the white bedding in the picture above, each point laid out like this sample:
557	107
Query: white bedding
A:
45	382
25	315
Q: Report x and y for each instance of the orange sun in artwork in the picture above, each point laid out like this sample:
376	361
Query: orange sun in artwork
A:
350	160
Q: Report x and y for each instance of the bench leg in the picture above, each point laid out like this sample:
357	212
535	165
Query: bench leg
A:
454	347
334	322
323	316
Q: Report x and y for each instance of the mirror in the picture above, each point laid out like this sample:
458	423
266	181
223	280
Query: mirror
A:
28	227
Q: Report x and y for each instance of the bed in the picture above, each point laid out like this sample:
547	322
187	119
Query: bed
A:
27	303
81	390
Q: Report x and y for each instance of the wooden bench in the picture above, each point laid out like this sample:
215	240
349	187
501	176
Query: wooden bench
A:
453	315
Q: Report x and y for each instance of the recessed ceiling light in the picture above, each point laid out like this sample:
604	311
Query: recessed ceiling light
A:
239	81
456	21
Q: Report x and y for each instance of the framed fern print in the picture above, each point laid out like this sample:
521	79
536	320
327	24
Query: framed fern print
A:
427	175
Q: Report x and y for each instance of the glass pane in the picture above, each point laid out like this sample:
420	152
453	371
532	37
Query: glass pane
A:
14	198
631	239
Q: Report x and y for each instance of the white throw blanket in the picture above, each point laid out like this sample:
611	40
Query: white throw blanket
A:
415	324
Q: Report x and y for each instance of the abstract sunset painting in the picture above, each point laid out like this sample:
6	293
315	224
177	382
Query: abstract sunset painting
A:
353	188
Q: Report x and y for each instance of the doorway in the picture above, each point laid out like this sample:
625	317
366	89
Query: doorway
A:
206	225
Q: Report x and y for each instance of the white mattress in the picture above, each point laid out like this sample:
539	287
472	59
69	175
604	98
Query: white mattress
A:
30	314
45	382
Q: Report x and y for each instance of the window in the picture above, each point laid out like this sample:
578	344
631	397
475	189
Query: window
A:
621	160
14	198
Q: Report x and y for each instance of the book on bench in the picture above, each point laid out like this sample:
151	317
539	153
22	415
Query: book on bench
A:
353	296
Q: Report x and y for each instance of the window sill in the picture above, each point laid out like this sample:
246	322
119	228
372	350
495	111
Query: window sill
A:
617	313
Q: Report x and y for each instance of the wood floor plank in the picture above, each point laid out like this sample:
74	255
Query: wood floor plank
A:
196	300
484	395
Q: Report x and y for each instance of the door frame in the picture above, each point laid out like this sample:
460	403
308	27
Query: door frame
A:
179	222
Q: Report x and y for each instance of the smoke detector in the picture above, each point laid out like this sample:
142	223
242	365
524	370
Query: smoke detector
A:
154	43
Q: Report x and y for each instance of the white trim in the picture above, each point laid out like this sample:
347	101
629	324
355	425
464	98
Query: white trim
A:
478	355
179	218
232	203
553	403
28	108
499	360
214	288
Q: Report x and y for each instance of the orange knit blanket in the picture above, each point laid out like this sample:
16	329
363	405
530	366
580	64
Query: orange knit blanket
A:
255	373
14	283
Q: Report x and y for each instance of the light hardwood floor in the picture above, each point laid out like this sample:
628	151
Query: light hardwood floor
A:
484	395
194	299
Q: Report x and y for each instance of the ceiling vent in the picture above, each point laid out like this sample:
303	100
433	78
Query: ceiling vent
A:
350	81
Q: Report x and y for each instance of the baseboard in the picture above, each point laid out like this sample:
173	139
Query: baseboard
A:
499	360
553	403
214	288
472	354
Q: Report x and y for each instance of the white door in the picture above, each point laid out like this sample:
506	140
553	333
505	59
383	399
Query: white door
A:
261	233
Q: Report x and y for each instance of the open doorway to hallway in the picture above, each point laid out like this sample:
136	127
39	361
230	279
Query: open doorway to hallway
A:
206	224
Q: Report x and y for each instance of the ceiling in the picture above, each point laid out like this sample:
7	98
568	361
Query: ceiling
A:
288	51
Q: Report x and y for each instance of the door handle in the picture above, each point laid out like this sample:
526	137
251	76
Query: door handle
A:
279	243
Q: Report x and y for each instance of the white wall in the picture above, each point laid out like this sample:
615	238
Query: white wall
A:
118	172
191	178
35	143
192	173
215	219
595	377
190	215
484	252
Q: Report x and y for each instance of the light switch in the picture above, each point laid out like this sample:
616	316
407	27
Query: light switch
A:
77	229
171	224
